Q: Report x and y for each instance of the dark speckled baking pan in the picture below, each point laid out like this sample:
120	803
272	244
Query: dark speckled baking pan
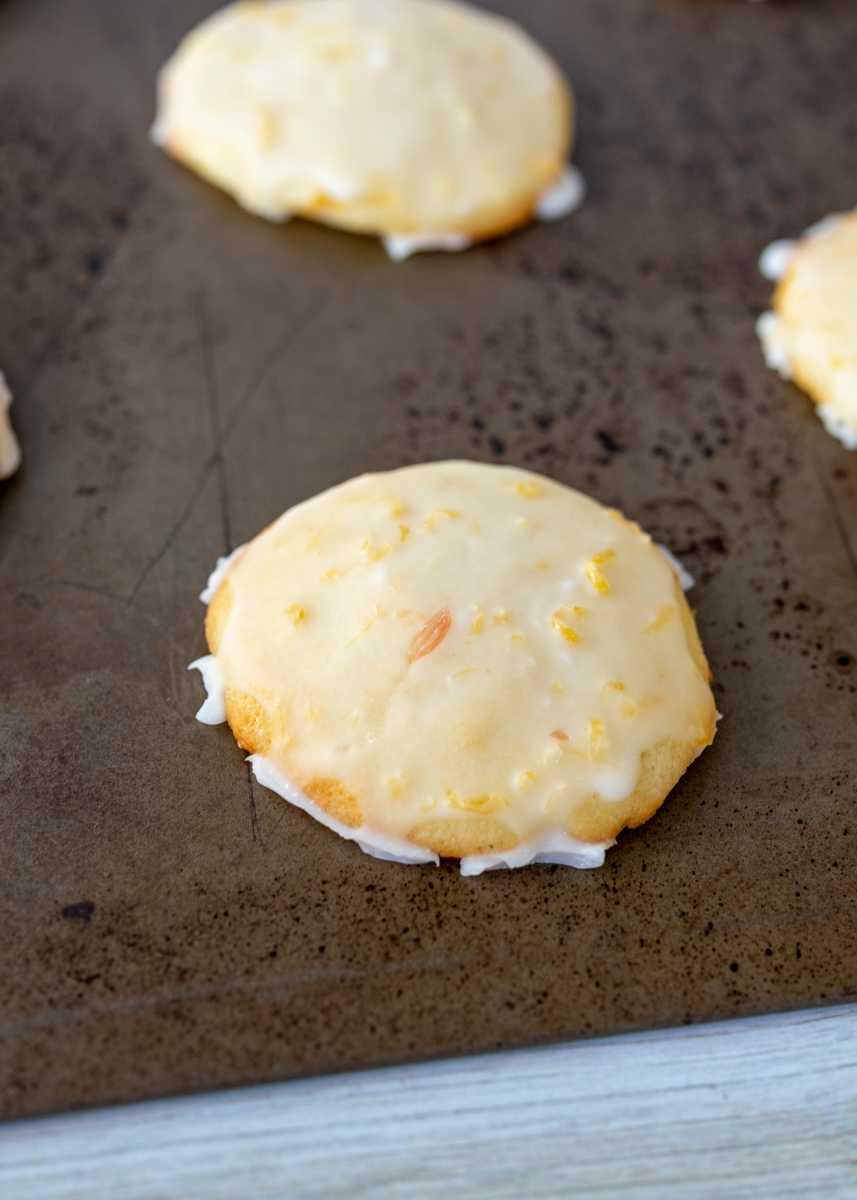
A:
183	372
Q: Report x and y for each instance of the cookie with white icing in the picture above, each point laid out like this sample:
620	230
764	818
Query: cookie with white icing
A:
460	660
427	122
811	334
10	451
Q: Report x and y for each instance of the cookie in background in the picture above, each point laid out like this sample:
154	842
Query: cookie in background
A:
10	451
810	335
428	123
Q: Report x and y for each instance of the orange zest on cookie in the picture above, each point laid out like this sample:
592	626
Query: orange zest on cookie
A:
431	635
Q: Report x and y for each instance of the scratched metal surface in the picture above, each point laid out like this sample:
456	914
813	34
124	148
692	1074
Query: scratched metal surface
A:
184	372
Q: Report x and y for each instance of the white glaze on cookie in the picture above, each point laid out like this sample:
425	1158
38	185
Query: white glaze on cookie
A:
462	639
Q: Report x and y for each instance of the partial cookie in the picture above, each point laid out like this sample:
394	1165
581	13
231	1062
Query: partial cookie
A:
459	660
10	451
811	335
429	123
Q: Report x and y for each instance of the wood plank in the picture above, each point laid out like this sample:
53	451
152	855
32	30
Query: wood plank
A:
763	1107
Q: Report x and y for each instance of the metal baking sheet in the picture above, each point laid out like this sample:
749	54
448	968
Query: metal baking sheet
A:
183	372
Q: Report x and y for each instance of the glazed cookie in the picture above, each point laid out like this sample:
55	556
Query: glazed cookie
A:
459	660
10	451
811	335
429	123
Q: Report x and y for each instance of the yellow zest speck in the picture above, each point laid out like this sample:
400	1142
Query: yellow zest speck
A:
613	686
597	739
516	637
501	617
596	578
541	565
330	575
371	553
296	613
628	710
433	518
313	714
397	786
527	489
663	618
521	522
460	673
396	508
561	618
404	532
526	781
476	627
557	688
478	804
570	635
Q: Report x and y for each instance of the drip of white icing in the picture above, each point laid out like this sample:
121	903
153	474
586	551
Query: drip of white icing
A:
379	845
838	426
775	259
555	847
563	197
775	353
270	212
213	711
218	575
158	133
400	246
685	580
10	451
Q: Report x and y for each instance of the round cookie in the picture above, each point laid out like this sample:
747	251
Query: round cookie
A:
811	335
427	122
10	451
460	660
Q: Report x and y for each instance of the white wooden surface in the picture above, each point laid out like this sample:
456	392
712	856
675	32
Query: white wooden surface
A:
764	1108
